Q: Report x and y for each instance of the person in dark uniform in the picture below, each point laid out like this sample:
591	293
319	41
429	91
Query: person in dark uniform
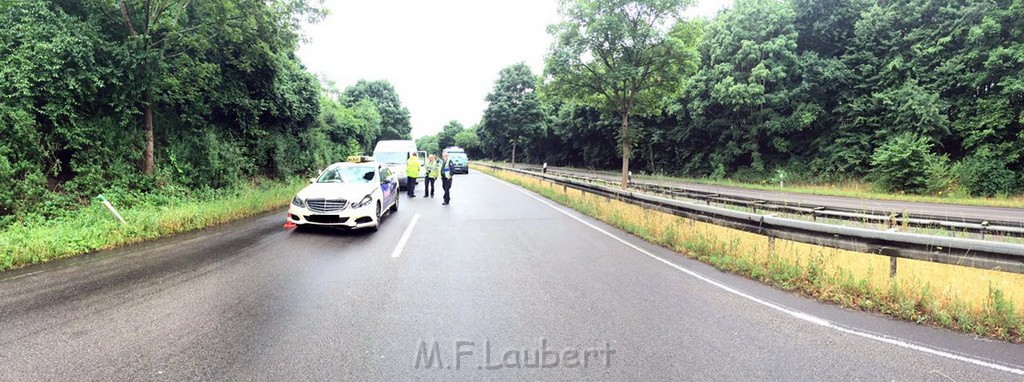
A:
446	177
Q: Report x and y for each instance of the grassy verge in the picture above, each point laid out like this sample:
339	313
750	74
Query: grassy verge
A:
93	228
971	300
851	189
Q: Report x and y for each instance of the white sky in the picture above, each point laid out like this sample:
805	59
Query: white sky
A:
442	56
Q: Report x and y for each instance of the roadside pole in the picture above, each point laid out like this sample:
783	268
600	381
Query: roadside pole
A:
111	208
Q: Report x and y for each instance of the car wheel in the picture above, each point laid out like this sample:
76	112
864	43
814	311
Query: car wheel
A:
377	226
394	206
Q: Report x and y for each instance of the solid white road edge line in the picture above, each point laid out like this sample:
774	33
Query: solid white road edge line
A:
794	313
405	237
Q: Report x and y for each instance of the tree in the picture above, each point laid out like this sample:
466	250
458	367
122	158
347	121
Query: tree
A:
394	117
446	138
513	114
621	56
429	144
827	26
147	27
468	140
903	163
745	100
228	99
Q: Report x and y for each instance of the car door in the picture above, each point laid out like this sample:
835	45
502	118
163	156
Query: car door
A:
388	185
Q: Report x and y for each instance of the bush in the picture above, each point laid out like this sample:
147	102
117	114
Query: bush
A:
905	163
985	174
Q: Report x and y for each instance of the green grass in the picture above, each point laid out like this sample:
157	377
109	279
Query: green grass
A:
912	302
851	189
93	228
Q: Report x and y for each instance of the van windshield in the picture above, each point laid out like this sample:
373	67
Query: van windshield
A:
396	157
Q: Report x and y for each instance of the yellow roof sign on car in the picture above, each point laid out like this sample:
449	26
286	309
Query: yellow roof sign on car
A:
359	158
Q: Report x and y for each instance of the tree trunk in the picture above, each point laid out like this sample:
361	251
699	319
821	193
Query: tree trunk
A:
513	155
147	166
624	134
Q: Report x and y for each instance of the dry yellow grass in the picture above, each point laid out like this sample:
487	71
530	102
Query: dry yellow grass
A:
948	295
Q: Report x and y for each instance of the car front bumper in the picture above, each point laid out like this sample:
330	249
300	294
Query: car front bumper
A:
348	218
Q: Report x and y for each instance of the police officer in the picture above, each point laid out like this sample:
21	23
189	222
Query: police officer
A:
412	170
433	172
446	177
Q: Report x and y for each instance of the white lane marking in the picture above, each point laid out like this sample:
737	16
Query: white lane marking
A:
794	313
405	237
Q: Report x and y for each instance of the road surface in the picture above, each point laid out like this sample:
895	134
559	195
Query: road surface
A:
496	280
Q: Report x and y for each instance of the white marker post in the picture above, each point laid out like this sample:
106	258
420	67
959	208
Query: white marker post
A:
111	208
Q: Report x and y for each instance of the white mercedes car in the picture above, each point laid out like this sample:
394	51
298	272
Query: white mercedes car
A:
348	195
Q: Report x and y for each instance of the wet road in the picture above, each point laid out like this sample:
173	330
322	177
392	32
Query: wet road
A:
495	280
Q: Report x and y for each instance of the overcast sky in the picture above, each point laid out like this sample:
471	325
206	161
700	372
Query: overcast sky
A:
442	56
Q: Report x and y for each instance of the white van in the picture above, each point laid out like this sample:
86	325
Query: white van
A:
395	153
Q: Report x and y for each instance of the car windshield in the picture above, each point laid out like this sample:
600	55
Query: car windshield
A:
458	157
348	174
398	157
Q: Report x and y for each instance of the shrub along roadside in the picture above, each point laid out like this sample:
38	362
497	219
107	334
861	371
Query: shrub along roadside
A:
996	316
93	228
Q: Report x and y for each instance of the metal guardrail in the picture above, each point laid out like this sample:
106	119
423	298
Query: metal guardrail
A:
965	252
893	219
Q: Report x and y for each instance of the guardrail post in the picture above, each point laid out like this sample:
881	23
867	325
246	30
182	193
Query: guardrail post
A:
892	266
757	203
984	225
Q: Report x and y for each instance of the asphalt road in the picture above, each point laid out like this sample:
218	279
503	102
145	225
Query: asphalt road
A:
493	279
951	212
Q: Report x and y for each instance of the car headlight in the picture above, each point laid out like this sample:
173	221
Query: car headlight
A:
298	202
363	203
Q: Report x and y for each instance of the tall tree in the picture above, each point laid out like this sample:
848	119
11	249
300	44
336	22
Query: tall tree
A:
744	101
446	137
621	56
394	117
147	27
513	114
469	141
428	143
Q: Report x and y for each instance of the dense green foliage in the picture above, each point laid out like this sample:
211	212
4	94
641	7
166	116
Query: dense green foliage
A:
394	117
513	112
619	57
817	89
452	134
446	138
905	163
84	83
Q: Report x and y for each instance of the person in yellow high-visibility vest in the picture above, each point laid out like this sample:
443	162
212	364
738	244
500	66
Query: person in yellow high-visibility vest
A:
412	170
433	172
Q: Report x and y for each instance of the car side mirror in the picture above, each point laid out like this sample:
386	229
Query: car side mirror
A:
312	180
